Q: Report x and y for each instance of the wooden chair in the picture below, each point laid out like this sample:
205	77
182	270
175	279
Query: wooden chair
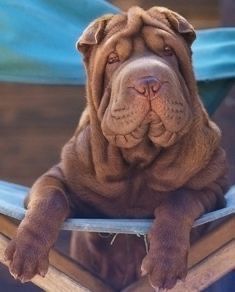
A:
209	259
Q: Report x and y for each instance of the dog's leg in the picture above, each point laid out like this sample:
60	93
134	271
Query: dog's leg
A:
169	236
48	206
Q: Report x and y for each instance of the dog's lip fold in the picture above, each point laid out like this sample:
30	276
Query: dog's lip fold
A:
151	128
130	139
109	132
136	136
149	117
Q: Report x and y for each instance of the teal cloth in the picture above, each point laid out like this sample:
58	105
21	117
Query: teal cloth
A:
214	64
37	39
37	42
214	54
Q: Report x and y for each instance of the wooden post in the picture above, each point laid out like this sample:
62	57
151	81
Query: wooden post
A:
209	259
72	276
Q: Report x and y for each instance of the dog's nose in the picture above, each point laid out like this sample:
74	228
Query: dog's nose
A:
147	86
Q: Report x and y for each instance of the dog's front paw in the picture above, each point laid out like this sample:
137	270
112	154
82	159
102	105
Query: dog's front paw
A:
165	265
26	258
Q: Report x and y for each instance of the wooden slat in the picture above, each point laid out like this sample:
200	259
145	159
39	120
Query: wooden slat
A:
215	240
212	241
209	270
70	271
206	246
34	107
26	157
50	282
77	272
202	275
35	122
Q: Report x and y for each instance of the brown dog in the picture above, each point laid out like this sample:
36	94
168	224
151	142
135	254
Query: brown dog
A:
144	147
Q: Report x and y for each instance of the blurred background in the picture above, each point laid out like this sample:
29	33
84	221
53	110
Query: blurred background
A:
37	120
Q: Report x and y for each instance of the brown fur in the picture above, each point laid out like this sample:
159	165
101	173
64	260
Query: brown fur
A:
144	147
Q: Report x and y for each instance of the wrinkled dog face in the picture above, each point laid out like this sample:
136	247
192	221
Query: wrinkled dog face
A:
144	94
147	99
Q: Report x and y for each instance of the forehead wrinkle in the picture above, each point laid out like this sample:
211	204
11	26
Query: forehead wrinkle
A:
115	29
124	47
137	17
132	23
117	18
151	44
113	41
116	24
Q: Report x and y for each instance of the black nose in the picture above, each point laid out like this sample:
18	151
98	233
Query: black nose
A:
147	86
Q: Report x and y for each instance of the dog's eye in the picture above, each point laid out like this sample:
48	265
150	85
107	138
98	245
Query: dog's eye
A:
168	51
113	58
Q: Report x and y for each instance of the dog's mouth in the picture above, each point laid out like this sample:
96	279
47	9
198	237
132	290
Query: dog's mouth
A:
150	127
130	139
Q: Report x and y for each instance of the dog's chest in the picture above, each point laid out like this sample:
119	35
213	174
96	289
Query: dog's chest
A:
128	198
114	188
139	199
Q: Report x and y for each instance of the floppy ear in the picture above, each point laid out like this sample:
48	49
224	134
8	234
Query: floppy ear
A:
181	25
93	34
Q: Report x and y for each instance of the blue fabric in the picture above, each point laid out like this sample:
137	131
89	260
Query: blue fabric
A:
37	39
37	42
11	204
214	54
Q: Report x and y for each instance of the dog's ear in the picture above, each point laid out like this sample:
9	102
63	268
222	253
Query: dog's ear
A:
93	34
180	24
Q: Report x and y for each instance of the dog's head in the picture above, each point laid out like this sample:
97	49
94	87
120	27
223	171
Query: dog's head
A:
140	79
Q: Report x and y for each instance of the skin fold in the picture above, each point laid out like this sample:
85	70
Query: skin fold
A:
144	148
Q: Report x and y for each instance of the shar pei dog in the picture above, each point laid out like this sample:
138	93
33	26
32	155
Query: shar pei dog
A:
144	148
